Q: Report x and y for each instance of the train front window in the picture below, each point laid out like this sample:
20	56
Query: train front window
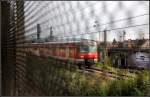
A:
88	48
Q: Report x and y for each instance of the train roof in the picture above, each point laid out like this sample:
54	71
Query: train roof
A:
65	42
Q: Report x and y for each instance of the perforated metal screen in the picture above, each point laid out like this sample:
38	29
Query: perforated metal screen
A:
65	20
86	19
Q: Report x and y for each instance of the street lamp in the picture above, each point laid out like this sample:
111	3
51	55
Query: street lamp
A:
96	25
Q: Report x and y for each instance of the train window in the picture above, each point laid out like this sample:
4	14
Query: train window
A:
88	48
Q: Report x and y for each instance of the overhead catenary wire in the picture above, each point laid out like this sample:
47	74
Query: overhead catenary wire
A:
104	23
71	36
107	30
63	24
111	21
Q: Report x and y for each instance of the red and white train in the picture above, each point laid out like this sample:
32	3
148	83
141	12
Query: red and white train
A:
77	52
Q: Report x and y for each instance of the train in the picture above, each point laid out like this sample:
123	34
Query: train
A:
81	53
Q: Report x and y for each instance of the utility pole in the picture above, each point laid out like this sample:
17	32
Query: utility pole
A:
105	57
38	31
51	33
124	33
105	38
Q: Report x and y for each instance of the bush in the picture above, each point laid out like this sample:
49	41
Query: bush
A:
130	87
77	83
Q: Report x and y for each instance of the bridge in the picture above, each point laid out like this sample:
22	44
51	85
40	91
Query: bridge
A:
129	50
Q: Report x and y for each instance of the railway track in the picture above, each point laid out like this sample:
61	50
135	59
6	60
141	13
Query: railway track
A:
94	70
88	70
101	72
104	72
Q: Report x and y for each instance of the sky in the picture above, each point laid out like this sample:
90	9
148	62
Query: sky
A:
76	19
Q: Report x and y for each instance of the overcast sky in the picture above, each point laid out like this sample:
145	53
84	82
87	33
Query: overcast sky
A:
78	17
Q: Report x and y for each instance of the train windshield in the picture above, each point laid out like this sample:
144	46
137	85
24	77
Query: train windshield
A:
88	48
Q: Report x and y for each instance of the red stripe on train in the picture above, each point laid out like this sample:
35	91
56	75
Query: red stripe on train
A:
88	55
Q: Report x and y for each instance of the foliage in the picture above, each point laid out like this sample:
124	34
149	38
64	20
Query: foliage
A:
54	77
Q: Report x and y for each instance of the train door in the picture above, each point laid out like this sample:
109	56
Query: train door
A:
67	52
57	51
63	52
36	51
53	51
72	52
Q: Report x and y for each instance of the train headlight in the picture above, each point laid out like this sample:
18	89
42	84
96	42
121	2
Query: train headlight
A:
81	56
89	53
95	56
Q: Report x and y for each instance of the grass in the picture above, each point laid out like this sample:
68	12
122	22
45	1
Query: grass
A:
137	84
117	71
56	80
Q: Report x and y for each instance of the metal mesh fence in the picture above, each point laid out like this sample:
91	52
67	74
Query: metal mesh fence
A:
86	19
68	21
